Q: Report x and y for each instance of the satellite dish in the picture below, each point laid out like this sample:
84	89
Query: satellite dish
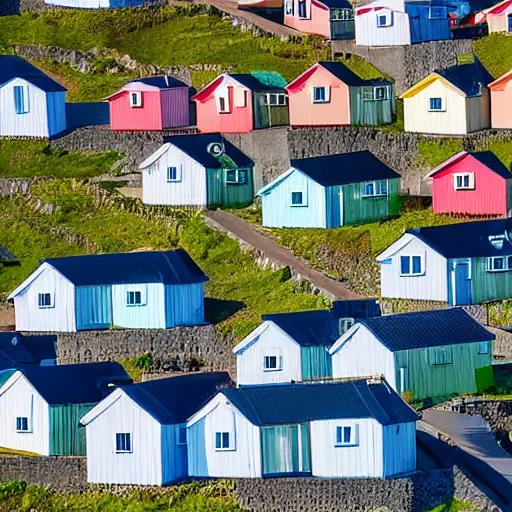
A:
14	341
216	148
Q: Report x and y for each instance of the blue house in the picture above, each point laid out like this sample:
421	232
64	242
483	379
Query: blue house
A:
18	350
139	290
330	191
31	103
294	347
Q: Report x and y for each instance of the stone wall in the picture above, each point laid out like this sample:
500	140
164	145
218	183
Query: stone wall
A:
10	187
502	344
9	7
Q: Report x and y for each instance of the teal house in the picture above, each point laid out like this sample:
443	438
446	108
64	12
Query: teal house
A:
330	192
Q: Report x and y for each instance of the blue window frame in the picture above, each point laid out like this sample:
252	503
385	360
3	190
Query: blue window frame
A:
22	424
375	188
172	174
20	102
134	298
411	266
222	440
44	300
436	104
297	199
484	347
123	442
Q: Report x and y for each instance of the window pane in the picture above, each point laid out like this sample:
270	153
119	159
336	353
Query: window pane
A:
225	439
509	262
459	181
172	173
416	265
218	440
405	265
346	434
242	176
466	180
369	189
383	187
435	103
483	347
296	197
498	264
339	435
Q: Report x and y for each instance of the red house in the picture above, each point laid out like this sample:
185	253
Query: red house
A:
152	103
472	184
240	103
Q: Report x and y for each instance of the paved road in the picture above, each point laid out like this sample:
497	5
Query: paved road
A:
240	229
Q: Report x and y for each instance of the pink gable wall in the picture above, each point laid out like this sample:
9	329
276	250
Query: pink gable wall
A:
489	196
501	105
175	107
147	117
318	22
303	112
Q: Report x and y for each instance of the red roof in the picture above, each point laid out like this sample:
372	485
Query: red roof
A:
207	91
500	8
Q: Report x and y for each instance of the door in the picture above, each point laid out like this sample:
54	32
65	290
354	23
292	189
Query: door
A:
462	283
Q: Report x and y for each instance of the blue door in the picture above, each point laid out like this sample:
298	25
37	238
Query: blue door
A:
510	22
462	284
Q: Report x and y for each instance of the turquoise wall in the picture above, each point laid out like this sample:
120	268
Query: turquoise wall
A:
66	435
316	362
487	286
93	307
371	112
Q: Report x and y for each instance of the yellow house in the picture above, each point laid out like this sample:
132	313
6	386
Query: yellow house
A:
451	101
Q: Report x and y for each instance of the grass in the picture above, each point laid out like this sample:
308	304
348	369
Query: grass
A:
27	159
454	506
495	53
432	152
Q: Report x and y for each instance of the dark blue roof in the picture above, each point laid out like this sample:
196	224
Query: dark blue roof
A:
175	399
347	76
468	239
426	329
337	4
161	82
345	168
252	83
196	146
17	349
490	160
295	403
12	67
75	383
469	78
6	257
167	267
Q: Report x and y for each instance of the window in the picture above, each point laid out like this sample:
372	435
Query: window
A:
436	13
346	436
380	93
436	105
320	95
303	12
342	14
133	298
384	20
21	424
222	441
443	356
411	266
375	188
274	100
272	363
236	176
44	300
223	105
135	99
484	347
375	93
499	263
182	435
172	174
123	443
345	324
464	181
289	7
297	199
20	99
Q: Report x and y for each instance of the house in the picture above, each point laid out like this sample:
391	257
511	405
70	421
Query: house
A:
326	430
6	258
97	4
293	347
333	19
330	93
240	103
40	406
501	96
459	264
152	103
31	103
137	435
197	170
451	101
472	184
137	290
330	191
429	354
17	350
499	17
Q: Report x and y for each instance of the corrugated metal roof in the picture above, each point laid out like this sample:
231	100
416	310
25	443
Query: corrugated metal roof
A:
256	85
427	329
175	399
337	4
167	267
347	76
468	239
12	67
196	146
162	82
295	403
17	349
75	383
469	78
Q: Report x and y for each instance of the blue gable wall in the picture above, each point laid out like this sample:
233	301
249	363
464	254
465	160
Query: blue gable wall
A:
425	29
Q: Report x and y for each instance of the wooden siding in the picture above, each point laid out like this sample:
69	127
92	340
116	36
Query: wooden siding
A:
221	193
125	117
66	435
498	22
371	112
397	34
488	286
93	307
316	23
175	107
478	112
56	112
266	116
501	106
399	443
333	208
184	304
174	455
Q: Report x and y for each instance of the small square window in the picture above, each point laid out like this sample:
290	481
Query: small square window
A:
22	424
411	266
464	181
484	347
380	93
270	362
222	441
436	104
496	264
44	300
134	298
369	189
172	174
281	100
382	21
135	99
182	435
319	95
443	356
297	199
345	436
123	443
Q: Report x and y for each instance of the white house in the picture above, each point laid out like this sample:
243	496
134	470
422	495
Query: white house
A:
151	290
138	434
293	347
358	428
40	406
31	103
197	170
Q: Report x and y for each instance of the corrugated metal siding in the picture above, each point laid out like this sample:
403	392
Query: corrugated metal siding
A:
368	34
184	304
222	193
478	112
175	107
242	462
501	107
266	116
424	29
428	380
56	108
93	307
371	112
147	117
333	201
399	447
488	286
316	362
498	23
317	24
277	209
331	461
173	455
66	436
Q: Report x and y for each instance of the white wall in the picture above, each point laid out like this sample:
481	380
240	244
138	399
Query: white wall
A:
189	191
242	462
60	317
433	285
369	34
399	448
144	465
331	461
249	364
21	399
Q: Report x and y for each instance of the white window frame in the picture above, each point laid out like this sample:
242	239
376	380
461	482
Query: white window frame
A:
377	188
178	174
327	94
237	180
388	19
28	430
137	288
447	361
443	104
231	445
354	435
137	96
382	88
26	102
129	434
302	203
180	441
344	324
486	346
344	14
462	175
507	263
226	109
289	7
280	99
307	9
412	273
45	306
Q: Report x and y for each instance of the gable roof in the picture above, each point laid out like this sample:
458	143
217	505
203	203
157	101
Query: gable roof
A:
501	81
162	82
337	4
17	349
12	66
175	399
75	383
499	8
487	158
296	403
426	329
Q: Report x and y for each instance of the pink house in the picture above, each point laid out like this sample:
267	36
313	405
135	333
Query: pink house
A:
472	184
240	103
152	103
501	101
